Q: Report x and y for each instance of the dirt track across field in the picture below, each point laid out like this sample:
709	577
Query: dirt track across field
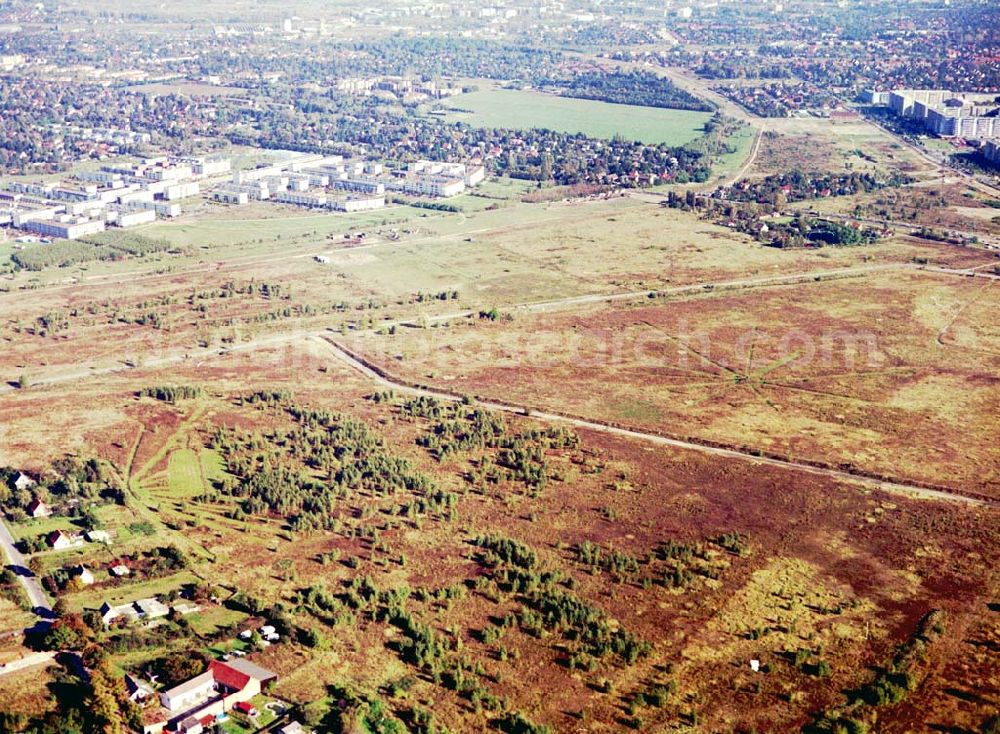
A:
379	376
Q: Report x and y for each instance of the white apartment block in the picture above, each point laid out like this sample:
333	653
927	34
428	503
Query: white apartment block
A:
206	167
125	218
962	123
22	217
441	186
71	229
902	101
9	62
162	208
181	190
948	114
363	185
226	196
357	204
301	198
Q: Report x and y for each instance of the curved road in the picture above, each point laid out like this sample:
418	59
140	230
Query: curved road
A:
346	356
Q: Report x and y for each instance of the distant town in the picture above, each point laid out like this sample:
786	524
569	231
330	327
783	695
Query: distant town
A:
132	195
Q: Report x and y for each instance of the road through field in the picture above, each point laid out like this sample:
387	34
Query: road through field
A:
193	356
751	159
380	377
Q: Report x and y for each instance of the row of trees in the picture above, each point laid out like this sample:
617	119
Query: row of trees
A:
785	188
642	88
172	393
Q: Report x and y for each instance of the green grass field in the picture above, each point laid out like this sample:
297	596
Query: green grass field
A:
518	109
726	165
130	592
185	474
216	232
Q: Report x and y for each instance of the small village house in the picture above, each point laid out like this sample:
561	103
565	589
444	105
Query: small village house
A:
38	509
83	575
58	540
23	481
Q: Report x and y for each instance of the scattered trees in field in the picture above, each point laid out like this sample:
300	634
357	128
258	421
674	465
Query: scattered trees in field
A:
172	393
892	682
464	427
516	723
548	608
304	473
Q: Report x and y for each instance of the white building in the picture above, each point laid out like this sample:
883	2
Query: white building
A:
66	230
902	101
190	693
9	62
84	575
123	218
357	203
181	190
301	199
226	196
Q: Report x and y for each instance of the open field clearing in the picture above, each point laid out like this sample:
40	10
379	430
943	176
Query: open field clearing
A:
808	371
843	574
282	224
29	692
630	582
819	145
500	259
507	108
844	137
12	617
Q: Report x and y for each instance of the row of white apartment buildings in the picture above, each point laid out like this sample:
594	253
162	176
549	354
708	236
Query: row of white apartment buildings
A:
943	113
339	184
116	195
399	86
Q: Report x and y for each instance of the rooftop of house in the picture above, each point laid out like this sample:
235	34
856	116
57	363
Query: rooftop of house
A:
189	686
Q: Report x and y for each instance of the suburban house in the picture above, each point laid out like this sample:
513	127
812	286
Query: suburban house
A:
142	609
37	508
60	541
119	570
191	706
136	689
23	481
188	694
292	728
98	536
85	576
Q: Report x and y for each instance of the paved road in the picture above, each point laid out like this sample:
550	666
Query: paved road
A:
29	661
346	356
39	602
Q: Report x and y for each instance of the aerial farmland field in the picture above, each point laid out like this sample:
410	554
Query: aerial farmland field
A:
351	383
529	109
